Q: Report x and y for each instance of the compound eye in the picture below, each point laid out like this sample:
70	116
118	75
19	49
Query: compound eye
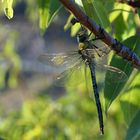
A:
81	46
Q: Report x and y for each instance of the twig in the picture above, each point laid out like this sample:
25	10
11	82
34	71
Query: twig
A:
133	3
115	45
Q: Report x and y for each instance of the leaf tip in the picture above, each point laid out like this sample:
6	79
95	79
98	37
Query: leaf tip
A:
9	12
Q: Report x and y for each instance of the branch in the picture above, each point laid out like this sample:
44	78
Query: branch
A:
115	45
133	3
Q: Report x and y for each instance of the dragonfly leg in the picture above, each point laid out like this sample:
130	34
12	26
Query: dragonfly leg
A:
100	34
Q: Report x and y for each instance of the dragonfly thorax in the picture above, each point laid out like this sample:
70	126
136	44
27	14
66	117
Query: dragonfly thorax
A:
87	58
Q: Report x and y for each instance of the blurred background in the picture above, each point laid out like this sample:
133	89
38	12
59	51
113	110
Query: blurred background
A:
32	106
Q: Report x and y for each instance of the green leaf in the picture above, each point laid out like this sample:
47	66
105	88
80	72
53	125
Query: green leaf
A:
8	8
138	10
47	11
68	23
119	27
130	100
74	29
119	8
129	109
113	89
96	11
133	132
79	2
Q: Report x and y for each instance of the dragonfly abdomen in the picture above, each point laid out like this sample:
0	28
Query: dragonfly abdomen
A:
97	98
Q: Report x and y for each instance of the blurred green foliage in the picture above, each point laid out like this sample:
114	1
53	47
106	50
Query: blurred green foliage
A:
10	62
70	117
7	7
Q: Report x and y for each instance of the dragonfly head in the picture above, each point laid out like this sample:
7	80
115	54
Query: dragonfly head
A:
81	46
82	37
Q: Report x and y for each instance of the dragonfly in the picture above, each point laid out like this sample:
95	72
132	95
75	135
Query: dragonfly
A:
86	54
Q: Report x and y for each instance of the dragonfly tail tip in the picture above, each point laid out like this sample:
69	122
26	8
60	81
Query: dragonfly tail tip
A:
102	131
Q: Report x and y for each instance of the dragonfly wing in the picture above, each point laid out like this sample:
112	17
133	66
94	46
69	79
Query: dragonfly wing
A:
70	65
115	74
98	56
112	73
60	61
100	47
72	76
88	82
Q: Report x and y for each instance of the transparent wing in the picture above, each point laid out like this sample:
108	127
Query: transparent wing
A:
88	82
61	60
98	51
98	56
72	76
113	73
100	47
69	65
71	69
